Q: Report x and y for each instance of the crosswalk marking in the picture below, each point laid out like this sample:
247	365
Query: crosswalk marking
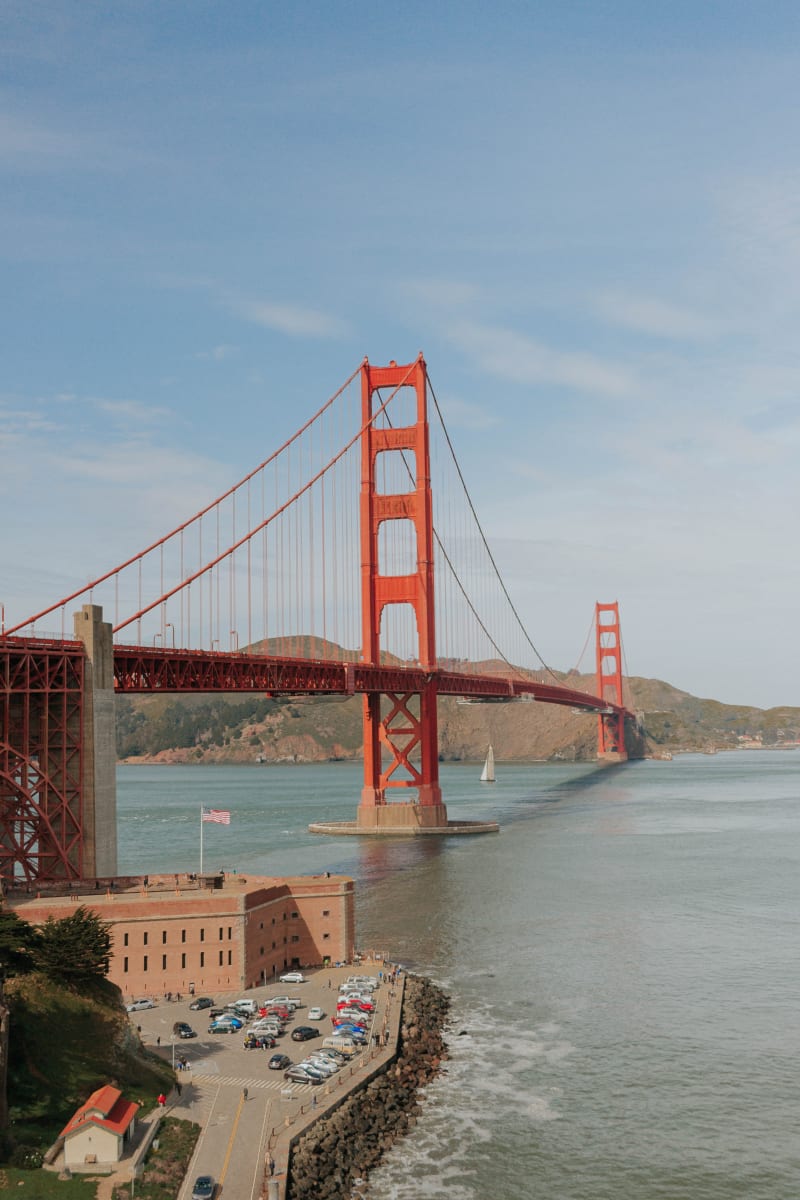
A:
268	1085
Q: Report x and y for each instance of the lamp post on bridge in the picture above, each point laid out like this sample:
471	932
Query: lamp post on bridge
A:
169	625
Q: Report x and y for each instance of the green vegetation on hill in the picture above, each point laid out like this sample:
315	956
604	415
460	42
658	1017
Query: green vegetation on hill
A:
68	1031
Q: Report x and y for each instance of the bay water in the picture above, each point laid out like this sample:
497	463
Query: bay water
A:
622	959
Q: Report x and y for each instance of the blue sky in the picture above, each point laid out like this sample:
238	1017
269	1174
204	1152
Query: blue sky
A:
587	215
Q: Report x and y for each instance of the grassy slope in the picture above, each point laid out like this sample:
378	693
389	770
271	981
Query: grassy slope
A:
62	1047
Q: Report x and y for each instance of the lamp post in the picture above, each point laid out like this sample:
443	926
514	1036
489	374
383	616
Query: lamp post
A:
169	625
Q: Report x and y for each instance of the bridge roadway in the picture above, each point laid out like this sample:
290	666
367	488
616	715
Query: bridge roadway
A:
237	1135
156	669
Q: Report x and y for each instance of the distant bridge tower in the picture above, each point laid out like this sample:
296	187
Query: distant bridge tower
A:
610	726
400	727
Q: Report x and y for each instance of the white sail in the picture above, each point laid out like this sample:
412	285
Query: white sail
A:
487	774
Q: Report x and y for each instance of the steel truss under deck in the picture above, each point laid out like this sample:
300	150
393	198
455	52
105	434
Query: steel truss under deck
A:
41	760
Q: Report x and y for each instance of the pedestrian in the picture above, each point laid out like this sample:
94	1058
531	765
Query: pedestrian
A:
158	1041
162	1100
271	1163
244	1093
314	1100
139	1030
178	1087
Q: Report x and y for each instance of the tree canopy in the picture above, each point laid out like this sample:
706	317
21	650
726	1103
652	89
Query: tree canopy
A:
75	949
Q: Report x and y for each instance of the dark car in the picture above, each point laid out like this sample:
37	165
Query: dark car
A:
216	1012
304	1033
204	1188
279	1062
183	1030
202	1002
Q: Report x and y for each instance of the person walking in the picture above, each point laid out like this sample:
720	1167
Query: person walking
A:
162	1100
244	1094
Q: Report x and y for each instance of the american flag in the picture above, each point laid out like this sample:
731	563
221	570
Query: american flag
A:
220	816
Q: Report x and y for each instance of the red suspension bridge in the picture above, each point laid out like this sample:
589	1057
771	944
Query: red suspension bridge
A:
351	561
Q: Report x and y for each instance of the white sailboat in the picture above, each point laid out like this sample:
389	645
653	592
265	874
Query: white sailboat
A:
487	774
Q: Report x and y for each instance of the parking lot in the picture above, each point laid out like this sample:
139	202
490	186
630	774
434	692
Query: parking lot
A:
230	1091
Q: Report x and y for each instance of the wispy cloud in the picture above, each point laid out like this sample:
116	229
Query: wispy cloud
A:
130	410
291	319
646	314
460	414
513	356
218	353
23	143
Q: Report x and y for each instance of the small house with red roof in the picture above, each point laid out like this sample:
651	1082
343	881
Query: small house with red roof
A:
100	1129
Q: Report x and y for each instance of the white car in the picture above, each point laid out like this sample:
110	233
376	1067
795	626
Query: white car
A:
316	1014
292	977
138	1005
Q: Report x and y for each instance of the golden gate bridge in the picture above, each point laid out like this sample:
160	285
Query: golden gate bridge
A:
350	561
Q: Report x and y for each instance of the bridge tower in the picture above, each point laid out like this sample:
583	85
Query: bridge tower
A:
400	729
610	725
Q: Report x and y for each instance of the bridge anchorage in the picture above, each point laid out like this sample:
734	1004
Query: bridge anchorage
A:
181	603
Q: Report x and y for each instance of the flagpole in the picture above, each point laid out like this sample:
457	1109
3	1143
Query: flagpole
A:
201	839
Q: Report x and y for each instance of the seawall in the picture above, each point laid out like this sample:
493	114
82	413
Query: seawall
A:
340	1148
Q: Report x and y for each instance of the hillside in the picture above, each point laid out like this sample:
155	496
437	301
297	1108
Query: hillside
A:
252	728
62	1046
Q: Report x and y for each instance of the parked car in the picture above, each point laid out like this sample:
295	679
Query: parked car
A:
183	1030
289	1002
279	1062
265	1025
316	1014
300	1074
201	1002
304	1033
204	1188
292	977
138	1005
216	1012
247	1006
320	1063
225	1025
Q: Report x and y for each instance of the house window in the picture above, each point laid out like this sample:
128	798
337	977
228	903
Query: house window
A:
202	959
274	944
295	915
144	963
145	939
261	926
326	912
125	964
125	939
163	962
221	957
220	933
295	937
230	957
230	931
325	937
202	935
163	937
183	960
183	935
